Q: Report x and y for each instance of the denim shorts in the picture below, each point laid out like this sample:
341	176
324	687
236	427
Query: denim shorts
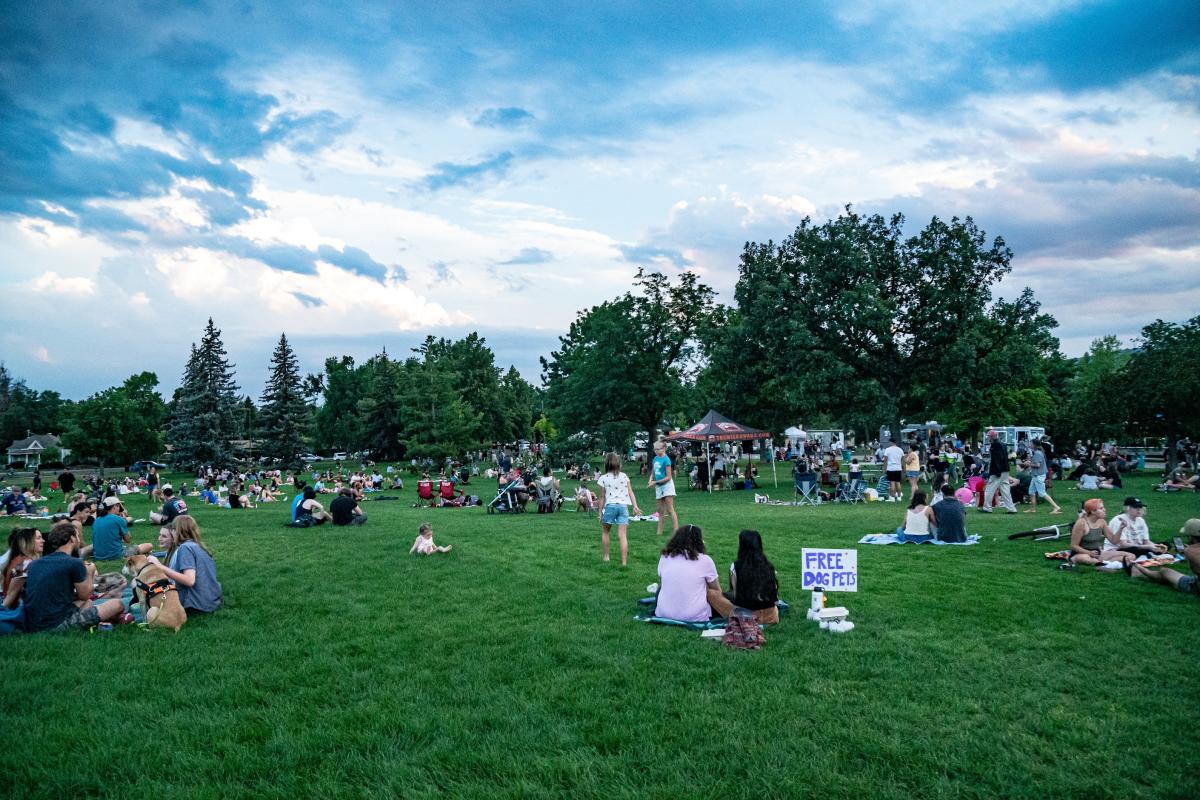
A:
615	514
1037	485
1189	584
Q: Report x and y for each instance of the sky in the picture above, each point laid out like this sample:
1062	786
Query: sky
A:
363	175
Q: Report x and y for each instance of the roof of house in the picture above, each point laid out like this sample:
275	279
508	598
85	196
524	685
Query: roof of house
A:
33	444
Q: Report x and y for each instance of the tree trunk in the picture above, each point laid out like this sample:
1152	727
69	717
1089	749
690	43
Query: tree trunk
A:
1172	460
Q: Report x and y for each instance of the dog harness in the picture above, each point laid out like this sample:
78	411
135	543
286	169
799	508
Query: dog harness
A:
152	590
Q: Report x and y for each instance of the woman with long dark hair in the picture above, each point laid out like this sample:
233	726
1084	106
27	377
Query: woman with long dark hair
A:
752	581
689	589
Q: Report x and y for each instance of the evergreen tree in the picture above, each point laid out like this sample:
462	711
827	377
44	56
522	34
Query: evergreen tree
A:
204	419
283	418
379	409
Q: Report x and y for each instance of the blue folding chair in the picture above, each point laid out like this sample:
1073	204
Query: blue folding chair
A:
851	491
806	489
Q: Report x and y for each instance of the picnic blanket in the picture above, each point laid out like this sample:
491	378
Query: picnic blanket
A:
715	622
645	518
764	500
1144	561
890	538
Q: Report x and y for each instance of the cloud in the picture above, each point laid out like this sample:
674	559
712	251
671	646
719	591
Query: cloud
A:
529	255
54	283
446	174
308	300
644	253
510	117
357	261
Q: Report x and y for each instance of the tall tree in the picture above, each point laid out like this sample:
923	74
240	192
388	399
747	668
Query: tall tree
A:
379	409
336	425
204	420
1161	382
120	424
437	422
864	317
1094	407
283	419
628	359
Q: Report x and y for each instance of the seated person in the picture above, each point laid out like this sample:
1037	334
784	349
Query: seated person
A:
689	589
855	473
189	563
949	516
24	545
110	534
753	584
345	511
14	501
1020	490
1088	481
917	520
172	507
549	491
964	495
1178	480
1132	531
585	498
424	544
58	587
309	509
1089	534
1188	584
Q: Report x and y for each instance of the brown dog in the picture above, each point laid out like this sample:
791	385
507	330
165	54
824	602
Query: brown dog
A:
156	594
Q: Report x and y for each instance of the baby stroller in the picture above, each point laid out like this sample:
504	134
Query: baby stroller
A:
506	501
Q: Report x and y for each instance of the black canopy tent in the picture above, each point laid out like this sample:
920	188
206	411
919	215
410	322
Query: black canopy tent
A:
717	428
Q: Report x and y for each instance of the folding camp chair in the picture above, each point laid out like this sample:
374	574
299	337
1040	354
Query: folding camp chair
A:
806	489
851	491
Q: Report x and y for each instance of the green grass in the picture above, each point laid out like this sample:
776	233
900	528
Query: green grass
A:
512	667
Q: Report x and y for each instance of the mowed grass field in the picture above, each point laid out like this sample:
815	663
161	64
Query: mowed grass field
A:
342	666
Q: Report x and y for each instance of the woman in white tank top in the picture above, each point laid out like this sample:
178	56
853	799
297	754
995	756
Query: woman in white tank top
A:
916	521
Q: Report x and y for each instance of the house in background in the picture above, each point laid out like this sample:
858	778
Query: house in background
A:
28	451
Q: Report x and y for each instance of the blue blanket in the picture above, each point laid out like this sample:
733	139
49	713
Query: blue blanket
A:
891	538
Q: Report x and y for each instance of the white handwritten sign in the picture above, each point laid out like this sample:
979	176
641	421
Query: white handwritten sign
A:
832	570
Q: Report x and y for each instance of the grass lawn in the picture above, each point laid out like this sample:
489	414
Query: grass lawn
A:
512	667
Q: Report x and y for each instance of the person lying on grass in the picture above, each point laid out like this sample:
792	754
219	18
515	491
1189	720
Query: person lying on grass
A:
753	584
24	545
1089	534
424	545
110	534
190	564
689	589
58	587
1188	584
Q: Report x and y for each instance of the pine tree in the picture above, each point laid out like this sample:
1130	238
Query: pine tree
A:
379	410
283	418
204	421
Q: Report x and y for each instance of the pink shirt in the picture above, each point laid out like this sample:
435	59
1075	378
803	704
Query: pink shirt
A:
684	585
965	496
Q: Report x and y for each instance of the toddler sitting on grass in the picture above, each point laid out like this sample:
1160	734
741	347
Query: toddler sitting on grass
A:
424	542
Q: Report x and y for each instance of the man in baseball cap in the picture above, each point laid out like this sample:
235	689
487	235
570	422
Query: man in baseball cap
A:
1188	584
1132	531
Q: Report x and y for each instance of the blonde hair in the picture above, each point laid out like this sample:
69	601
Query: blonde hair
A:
184	529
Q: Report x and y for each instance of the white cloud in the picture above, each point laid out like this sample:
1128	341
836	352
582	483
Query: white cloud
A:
54	283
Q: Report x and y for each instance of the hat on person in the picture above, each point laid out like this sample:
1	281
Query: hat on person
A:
109	502
166	486
993	434
1133	502
1191	528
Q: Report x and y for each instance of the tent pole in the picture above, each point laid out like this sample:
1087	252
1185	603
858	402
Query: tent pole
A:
774	474
708	462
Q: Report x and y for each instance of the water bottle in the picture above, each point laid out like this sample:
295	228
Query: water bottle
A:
817	603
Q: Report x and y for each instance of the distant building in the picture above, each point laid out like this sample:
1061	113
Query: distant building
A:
28	451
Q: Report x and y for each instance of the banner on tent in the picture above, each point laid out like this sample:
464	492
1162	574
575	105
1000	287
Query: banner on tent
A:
832	570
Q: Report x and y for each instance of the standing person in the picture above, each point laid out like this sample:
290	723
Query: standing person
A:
190	564
66	482
1037	482
662	478
58	587
152	486
912	469
616	495
893	457
37	481
997	475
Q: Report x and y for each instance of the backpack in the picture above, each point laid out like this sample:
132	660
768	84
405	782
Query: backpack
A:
742	631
